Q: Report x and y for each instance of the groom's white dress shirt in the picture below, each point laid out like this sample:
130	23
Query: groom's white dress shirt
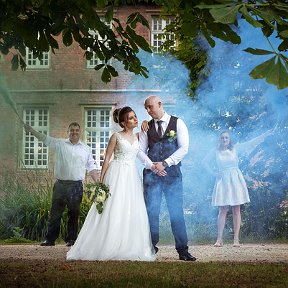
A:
182	140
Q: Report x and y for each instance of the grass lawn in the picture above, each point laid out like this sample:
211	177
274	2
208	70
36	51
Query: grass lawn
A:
53	273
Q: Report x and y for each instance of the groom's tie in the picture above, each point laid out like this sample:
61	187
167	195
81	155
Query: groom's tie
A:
159	130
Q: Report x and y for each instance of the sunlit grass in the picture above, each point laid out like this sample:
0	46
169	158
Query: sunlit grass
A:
43	273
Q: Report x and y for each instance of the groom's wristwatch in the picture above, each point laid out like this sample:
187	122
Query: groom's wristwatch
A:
164	163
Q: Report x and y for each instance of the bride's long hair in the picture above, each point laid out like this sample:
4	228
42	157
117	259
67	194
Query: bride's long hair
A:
120	115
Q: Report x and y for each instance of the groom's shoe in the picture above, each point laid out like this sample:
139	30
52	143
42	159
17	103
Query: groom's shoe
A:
47	243
186	256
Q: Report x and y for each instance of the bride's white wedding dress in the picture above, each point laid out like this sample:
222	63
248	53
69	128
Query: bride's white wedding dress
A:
122	231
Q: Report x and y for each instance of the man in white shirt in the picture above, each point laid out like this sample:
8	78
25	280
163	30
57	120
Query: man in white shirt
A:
73	158
162	148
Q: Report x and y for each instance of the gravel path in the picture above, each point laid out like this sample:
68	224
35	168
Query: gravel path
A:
262	253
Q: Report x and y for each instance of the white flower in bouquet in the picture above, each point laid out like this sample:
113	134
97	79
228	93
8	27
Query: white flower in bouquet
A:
101	197
97	192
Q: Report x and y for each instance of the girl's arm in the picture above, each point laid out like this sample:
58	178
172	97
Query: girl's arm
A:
249	146
108	155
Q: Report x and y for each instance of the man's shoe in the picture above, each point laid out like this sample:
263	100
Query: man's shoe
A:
186	256
70	243
156	249
47	243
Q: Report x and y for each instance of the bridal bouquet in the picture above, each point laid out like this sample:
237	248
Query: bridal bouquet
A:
97	192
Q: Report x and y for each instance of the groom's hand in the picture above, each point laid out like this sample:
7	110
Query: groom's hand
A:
159	169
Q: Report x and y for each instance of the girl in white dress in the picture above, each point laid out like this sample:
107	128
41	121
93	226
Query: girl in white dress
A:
122	231
230	187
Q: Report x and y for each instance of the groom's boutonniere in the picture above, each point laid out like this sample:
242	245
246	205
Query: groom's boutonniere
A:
172	135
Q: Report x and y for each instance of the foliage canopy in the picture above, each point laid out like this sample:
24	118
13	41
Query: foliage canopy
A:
219	19
36	23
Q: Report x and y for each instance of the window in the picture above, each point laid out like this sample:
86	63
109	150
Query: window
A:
97	131
35	153
33	62
158	35
94	59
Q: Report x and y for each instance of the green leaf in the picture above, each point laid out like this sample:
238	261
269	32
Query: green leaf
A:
67	38
207	36
278	75
22	64
258	51
225	15
284	33
283	46
106	52
285	60
267	15
112	70
42	42
249	18
189	29
139	40
262	70
106	77
135	18
99	66
109	13
216	6
15	62
52	42
275	74
143	71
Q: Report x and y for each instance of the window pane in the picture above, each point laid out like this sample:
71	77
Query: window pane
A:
33	62
97	127
35	153
157	32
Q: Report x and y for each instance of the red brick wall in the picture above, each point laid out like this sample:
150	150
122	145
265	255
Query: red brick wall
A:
52	88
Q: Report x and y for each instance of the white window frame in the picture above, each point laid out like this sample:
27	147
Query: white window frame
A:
158	35
94	59
33	62
97	130
34	152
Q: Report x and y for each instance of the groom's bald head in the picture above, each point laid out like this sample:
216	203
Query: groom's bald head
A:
153	105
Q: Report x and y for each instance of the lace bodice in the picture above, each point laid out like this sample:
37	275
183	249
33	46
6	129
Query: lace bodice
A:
124	150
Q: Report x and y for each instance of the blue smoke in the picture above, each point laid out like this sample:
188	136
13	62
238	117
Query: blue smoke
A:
229	99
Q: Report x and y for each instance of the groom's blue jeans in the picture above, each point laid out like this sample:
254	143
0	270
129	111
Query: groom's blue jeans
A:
154	187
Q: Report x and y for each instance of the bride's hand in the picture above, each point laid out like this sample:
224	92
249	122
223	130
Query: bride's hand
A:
144	126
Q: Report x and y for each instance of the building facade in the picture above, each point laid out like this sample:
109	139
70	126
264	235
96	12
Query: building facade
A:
63	88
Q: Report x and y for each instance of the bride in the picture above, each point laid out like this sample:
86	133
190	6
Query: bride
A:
122	231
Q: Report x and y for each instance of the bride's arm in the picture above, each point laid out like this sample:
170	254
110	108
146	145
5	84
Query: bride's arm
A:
108	155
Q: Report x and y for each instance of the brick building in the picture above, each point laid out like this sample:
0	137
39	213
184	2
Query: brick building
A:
62	88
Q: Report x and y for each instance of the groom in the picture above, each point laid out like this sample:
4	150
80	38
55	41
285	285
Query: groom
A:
162	148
